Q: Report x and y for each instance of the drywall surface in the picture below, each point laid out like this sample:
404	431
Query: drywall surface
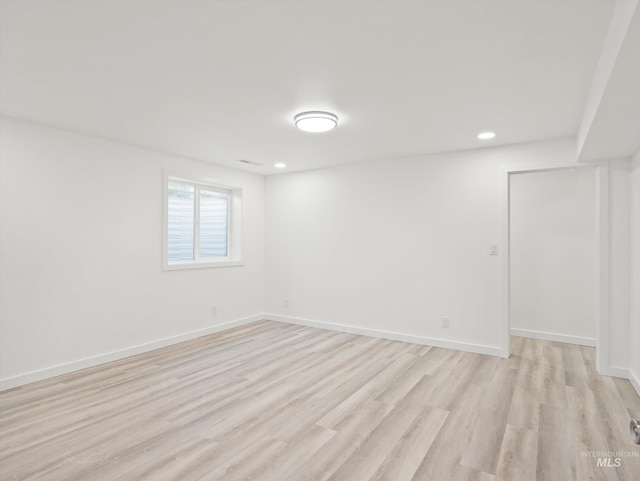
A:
619	262
387	246
620	37
635	275
553	252
81	250
396	245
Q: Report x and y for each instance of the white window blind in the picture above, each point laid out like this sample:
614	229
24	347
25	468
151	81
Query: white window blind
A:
214	224
197	222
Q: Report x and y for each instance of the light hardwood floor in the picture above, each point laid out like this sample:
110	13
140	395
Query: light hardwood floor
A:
278	402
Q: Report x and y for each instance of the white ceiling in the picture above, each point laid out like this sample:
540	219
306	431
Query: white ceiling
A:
221	81
610	128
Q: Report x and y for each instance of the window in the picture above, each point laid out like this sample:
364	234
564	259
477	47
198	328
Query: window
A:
201	224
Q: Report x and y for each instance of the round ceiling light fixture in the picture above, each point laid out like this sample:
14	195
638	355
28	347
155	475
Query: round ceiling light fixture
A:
486	135
279	165
316	121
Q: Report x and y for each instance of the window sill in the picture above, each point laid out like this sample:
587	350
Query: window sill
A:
176	266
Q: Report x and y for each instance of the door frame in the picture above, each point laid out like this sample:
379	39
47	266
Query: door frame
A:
601	255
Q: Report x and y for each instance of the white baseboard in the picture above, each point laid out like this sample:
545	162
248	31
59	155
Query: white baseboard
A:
60	369
624	373
394	336
615	371
635	380
549	336
49	372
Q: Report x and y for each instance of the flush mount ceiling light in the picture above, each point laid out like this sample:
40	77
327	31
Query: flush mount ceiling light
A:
280	165
486	135
316	121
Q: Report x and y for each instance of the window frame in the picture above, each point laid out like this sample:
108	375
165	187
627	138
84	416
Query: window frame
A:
234	224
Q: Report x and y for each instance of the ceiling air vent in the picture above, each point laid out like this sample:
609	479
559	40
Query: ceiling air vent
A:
250	162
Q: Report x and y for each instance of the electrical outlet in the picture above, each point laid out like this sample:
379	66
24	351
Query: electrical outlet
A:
286	303
493	249
445	322
214	311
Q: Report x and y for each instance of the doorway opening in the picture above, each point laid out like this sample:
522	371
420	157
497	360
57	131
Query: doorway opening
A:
555	256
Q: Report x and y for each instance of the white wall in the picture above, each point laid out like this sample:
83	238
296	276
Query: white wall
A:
553	254
390	245
619	264
81	251
395	245
635	276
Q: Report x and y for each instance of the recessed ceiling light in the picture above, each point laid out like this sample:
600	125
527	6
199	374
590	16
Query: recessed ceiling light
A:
316	121
280	165
486	135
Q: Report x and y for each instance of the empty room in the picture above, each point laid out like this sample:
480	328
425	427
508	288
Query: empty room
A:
319	240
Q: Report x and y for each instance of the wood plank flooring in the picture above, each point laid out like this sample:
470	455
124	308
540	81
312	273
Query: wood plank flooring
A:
278	402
